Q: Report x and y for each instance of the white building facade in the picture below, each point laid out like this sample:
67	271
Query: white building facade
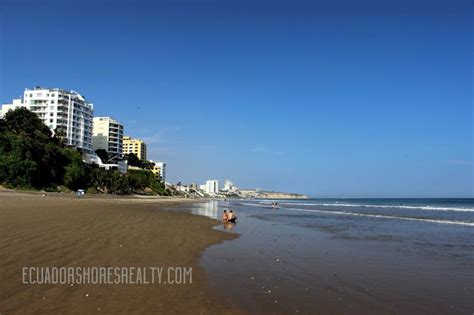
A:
107	134
162	167
229	186
17	103
211	187
67	111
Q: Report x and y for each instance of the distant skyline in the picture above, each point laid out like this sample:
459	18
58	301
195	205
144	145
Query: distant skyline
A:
353	99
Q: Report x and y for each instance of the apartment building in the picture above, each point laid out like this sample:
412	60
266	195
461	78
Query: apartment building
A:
107	134
61	110
135	146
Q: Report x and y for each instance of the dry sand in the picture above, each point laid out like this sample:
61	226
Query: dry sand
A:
63	231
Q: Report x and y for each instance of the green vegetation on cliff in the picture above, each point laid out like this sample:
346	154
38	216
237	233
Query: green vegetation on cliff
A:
31	158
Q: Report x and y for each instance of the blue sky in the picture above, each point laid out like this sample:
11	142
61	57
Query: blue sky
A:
353	98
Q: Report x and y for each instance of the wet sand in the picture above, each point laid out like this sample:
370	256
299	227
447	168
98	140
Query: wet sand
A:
64	231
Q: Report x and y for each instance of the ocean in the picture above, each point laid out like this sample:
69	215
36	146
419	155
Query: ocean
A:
345	255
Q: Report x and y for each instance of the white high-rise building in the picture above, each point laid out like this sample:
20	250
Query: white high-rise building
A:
62	110
211	187
162	167
107	134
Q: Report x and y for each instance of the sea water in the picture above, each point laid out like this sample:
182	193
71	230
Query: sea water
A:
348	255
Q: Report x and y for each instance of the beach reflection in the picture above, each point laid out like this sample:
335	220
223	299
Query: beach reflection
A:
228	226
211	210
208	209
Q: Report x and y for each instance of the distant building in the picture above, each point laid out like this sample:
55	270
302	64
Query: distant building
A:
211	187
65	111
229	186
107	134
159	169
135	146
183	188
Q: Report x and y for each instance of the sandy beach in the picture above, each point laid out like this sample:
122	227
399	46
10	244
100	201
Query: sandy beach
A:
282	262
63	231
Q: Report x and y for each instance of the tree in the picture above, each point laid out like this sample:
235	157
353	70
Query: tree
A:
104	156
31	158
3	127
75	177
23	121
133	160
17	168
139	180
99	178
115	183
147	165
75	174
27	154
60	136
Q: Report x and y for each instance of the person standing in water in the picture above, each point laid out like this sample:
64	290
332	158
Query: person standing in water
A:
232	216
225	216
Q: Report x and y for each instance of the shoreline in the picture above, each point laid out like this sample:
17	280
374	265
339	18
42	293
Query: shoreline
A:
267	196
61	230
93	196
